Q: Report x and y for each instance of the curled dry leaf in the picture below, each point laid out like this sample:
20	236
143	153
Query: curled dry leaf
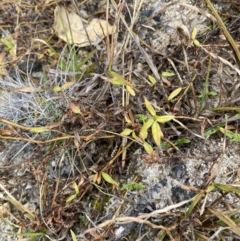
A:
69	27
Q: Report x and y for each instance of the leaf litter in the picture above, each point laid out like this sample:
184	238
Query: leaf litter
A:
71	28
92	148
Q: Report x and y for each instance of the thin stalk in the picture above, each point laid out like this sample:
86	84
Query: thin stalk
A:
225	31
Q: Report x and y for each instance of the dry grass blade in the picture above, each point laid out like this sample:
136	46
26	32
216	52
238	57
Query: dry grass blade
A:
214	171
174	67
148	59
227	188
198	10
187	129
222	60
219	230
228	221
140	218
225	31
36	141
143	52
17	204
69	138
25	128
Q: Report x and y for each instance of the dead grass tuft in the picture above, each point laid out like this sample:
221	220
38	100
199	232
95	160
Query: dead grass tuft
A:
70	134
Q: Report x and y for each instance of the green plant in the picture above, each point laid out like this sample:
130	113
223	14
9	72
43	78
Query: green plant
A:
224	218
152	121
227	34
194	40
73	196
205	92
132	186
234	137
117	79
178	142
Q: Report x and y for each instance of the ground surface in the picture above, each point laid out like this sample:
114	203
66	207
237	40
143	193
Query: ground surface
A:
42	172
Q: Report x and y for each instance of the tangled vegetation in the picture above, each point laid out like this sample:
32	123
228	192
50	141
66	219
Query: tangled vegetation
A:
69	135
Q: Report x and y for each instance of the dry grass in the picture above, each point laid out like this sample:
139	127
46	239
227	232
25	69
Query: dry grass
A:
67	158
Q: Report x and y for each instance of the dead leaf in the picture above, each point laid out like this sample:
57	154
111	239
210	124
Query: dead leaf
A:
69	27
27	89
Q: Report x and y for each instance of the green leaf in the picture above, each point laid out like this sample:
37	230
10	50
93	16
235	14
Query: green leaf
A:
57	89
165	145
141	117
210	132
167	74
148	148
162	236
130	90
212	93
143	133
126	132
72	197
9	43
132	186
227	188
135	137
148	123
149	107
181	141
144	130
210	188
116	81
74	237
194	33
109	179
229	134
152	79
117	78
174	93
76	187
196	42
156	133
164	118
194	203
